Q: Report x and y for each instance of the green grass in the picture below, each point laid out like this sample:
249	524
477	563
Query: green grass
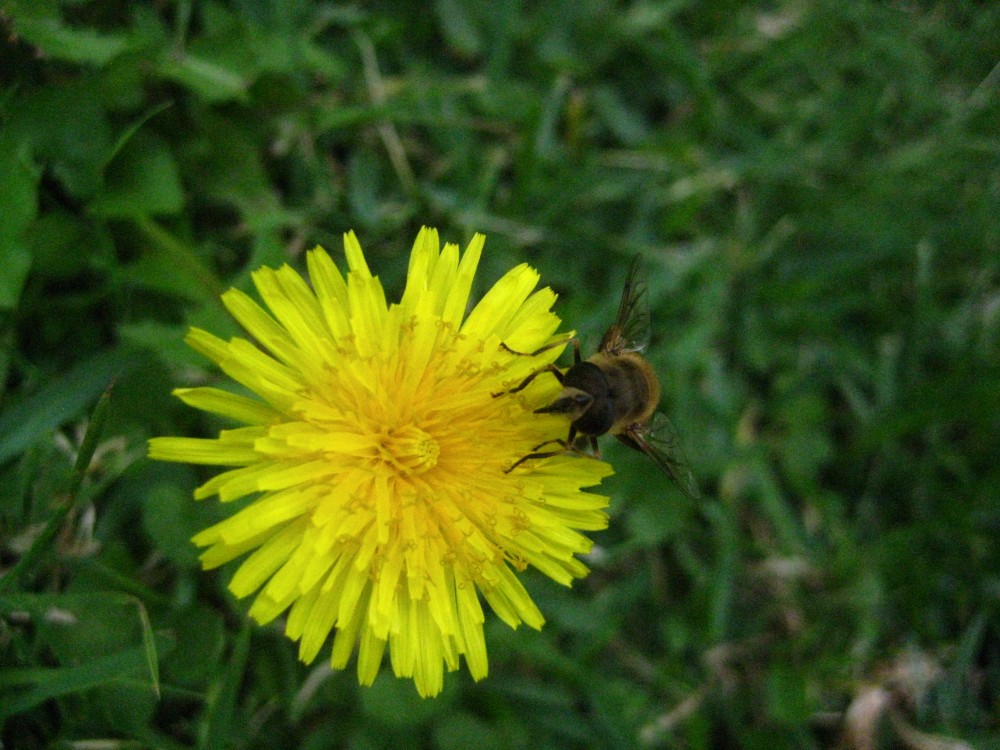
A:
815	188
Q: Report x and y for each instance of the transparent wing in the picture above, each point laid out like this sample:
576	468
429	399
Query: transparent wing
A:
630	331
659	440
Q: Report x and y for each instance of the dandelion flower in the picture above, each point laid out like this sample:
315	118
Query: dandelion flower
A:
375	453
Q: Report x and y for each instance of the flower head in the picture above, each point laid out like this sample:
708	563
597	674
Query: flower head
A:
376	451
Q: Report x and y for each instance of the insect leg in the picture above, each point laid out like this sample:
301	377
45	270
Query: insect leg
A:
594	447
565	446
552	345
558	441
524	383
532	456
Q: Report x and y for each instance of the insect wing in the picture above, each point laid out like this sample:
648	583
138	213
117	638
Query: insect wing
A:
659	440
630	331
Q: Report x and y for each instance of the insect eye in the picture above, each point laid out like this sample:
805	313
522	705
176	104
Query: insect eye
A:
583	399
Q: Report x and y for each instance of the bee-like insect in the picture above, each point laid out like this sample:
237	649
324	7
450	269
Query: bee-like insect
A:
614	392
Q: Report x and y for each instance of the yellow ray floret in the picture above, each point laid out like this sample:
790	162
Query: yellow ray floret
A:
376	453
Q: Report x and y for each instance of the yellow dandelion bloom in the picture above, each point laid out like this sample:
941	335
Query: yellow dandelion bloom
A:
376	453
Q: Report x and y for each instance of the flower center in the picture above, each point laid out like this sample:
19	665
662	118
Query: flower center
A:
409	449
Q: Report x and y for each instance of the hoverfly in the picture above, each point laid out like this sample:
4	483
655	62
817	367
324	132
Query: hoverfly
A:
614	392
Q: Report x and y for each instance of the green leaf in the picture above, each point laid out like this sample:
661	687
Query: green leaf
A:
221	717
170	519
95	428
462	731
68	133
201	643
126	135
18	204
42	541
170	254
787	699
396	704
458	27
98	638
214	82
149	648
25	688
164	340
142	180
64	244
62	399
62	42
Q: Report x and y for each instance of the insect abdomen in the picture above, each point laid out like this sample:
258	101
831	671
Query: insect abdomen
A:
632	388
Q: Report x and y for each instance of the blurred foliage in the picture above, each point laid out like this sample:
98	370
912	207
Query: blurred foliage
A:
815	188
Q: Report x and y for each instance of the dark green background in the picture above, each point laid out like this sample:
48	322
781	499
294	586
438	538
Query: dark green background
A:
815	189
